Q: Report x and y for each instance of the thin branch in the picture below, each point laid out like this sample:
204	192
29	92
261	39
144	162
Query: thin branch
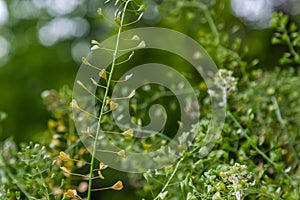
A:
104	99
283	126
253	145
170	178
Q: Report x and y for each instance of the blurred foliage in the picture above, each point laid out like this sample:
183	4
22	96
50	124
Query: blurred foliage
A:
28	173
33	65
287	33
261	131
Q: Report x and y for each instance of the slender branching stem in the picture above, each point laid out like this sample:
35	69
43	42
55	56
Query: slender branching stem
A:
104	100
170	178
207	15
246	132
290	45
285	130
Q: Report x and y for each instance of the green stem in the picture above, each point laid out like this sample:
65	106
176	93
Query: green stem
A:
45	187
283	126
104	100
171	177
290	45
245	131
249	139
207	15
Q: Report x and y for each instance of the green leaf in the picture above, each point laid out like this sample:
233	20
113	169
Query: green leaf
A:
275	40
3	116
283	21
293	27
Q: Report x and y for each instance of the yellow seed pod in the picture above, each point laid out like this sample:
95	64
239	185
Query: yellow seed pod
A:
63	156
62	128
113	105
128	133
102	74
51	123
122	153
118	20
69	164
147	146
202	86
72	194
222	174
117	186
100	174
65	170
73	138
102	166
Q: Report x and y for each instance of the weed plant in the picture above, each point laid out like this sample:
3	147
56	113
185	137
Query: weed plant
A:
257	156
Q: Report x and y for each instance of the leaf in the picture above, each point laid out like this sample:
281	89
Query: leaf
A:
3	116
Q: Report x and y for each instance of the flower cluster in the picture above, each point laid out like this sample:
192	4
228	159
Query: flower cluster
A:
238	179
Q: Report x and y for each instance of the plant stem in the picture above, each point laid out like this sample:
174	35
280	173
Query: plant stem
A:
207	15
171	177
45	187
245	131
104	100
290	45
249	139
283	126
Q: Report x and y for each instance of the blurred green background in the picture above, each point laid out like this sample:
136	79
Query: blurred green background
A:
42	42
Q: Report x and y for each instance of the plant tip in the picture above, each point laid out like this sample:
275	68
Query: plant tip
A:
118	186
63	156
142	44
102	166
128	133
122	153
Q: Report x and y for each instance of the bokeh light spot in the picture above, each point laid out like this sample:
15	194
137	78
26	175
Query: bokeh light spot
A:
3	12
62	28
